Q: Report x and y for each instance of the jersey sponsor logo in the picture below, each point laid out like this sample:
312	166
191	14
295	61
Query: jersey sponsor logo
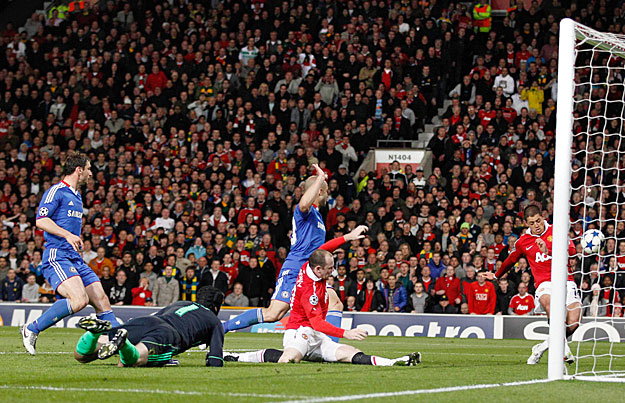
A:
43	211
481	297
542	257
522	307
314	300
71	203
74	213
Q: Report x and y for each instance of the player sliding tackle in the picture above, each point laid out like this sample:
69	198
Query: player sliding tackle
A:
306	337
60	216
153	340
536	244
308	234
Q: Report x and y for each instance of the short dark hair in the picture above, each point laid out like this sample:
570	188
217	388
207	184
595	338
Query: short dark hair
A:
320	257
531	211
73	161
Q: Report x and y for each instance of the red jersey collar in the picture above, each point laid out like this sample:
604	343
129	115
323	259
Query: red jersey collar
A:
315	206
67	184
311	274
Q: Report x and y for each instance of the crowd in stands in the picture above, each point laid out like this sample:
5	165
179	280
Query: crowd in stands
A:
202	119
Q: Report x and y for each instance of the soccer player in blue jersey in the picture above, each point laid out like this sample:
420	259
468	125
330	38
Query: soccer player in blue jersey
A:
60	216
307	235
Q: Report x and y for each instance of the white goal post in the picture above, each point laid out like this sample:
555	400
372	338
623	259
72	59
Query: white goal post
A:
590	78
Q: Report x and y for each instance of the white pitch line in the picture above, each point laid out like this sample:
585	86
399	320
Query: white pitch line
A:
152	391
414	392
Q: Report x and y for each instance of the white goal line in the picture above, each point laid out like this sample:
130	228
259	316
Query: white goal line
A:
415	392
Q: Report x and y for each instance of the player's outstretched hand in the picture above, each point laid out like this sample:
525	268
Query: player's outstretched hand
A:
75	241
319	172
355	334
542	245
357	233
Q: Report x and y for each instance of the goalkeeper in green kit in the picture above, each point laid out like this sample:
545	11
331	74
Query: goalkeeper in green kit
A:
154	340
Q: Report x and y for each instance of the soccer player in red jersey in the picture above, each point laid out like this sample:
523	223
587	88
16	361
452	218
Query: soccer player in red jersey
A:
522	303
306	337
535	244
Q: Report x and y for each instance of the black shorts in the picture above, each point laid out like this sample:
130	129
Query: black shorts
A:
161	339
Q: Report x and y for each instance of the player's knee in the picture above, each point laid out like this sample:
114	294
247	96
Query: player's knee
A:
274	313
78	301
80	358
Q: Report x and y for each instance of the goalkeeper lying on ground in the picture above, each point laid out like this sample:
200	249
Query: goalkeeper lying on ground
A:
152	341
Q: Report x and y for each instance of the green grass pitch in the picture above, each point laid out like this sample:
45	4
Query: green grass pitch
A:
53	375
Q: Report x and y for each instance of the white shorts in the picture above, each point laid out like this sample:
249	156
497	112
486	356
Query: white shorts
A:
572	294
313	345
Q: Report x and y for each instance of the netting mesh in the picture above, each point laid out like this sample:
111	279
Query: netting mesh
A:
597	197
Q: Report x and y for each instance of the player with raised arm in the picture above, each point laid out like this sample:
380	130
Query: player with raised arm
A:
307	235
535	244
60	217
153	340
307	334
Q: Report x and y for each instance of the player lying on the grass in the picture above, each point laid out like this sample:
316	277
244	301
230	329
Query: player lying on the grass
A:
536	245
306	337
153	340
60	217
308	234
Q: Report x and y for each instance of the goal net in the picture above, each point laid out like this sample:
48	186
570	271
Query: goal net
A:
589	193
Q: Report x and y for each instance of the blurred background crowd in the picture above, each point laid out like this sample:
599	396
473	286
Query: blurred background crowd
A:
202	119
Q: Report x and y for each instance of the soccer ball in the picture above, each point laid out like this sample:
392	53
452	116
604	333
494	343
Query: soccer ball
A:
591	241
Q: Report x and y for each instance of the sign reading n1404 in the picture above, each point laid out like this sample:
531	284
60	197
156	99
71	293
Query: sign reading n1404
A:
399	157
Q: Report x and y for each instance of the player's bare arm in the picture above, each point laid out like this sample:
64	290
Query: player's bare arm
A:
312	192
49	226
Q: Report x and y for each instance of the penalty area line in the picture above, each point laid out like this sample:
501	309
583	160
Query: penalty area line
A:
415	392
151	391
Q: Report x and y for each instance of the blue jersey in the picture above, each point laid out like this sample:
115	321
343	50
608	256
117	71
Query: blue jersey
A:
308	234
63	205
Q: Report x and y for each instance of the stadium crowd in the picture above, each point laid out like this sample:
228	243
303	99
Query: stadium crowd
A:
201	120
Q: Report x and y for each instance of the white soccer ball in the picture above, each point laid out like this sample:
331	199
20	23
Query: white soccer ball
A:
591	241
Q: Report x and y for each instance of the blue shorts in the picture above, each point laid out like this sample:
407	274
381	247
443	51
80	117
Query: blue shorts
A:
287	279
58	265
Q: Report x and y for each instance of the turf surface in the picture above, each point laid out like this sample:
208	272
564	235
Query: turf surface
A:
53	375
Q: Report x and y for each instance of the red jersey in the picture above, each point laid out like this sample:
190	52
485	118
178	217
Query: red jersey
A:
482	298
620	263
540	263
309	300
451	286
522	305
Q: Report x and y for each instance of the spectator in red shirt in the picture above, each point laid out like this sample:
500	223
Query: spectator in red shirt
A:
250	209
482	296
449	285
522	303
156	79
141	295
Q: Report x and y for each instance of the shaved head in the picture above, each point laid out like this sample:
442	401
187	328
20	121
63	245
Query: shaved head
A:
321	258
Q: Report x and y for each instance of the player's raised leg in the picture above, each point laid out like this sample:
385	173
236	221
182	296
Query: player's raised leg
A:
273	313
